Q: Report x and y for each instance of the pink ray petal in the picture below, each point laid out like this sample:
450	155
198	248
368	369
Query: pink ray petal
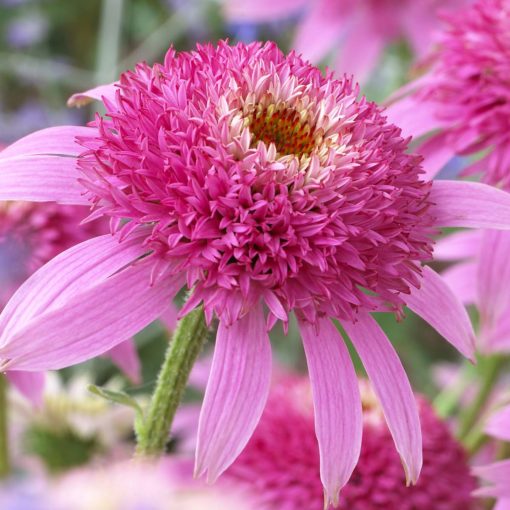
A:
499	424
91	322
392	388
236	393
69	273
460	245
29	384
59	140
469	204
461	278
325	19
498	338
41	179
493	276
497	474
125	356
337	404
437	304
410	115
359	53
96	94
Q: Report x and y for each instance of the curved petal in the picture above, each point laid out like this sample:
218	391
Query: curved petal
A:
493	276
69	273
436	303
497	474
83	327
96	94
469	204
41	179
125	356
236	393
498	338
392	388
499	424
461	278
337	404
58	140
29	384
457	246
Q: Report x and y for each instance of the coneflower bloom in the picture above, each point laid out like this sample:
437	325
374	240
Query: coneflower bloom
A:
497	474
464	98
31	234
361	30
280	463
480	277
266	188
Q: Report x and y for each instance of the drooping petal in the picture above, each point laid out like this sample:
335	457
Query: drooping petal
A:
499	424
469	204
96	94
493	276
461	278
236	392
71	272
337	404
59	140
436	303
457	246
125	356
41	179
392	388
29	384
91	322
498	338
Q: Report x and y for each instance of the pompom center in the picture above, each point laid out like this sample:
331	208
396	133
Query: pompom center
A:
289	130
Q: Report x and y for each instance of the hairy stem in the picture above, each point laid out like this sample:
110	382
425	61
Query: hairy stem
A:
187	342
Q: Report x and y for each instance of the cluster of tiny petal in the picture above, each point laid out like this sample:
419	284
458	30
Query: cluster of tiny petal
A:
31	234
281	462
470	84
260	176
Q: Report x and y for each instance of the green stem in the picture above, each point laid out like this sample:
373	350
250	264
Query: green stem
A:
489	376
186	344
4	435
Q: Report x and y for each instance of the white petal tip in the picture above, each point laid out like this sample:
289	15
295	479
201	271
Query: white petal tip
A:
331	499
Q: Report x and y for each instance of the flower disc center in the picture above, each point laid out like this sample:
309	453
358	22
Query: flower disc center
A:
291	132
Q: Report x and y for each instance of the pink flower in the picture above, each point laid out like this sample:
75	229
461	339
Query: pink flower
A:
267	188
357	30
464	97
497	474
280	464
480	277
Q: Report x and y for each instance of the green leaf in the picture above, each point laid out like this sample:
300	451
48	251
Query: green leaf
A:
118	397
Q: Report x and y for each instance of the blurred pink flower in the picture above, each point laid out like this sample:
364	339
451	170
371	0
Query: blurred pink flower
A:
497	475
464	98
280	464
361	29
267	188
31	234
480	277
356	30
